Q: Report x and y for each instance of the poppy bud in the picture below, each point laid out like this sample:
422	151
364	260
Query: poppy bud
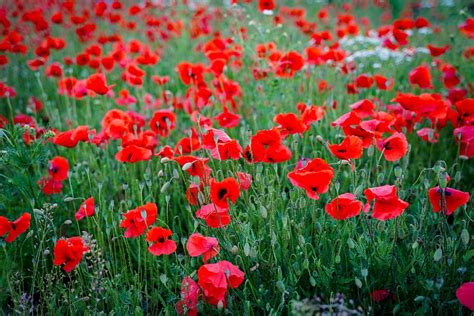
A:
165	187
165	160
67	222
234	250
398	171
161	173
187	165
46	252
319	138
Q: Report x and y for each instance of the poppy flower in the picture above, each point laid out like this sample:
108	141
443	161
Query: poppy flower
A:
314	178
198	245
86	209
266	5
266	146
97	83
162	122
58	168
190	73
290	124
245	180
190	293
350	148
421	76
453	198
133	153
393	147
465	295
14	229
288	64
137	220
387	204
69	252
437	51
380	295
465	136
215	216
216	278
197	165
383	83
344	206
161	245
227	119
364	81
117	123
363	108
227	150
50	186
428	135
221	192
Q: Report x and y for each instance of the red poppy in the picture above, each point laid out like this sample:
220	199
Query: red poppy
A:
221	192
266	146
245	180
190	293
437	51
137	220
190	73
465	295
383	83
214	215
363	108
117	123
350	148
266	5
86	209
289	124
161	245
198	245
465	136
97	83
315	177
387	204
196	166
364	81
380	295
227	119
69	252
428	135
15	228
393	147
50	186
227	150
58	168
288	64
421	76
215	279
452	197
162	122
344	206
133	153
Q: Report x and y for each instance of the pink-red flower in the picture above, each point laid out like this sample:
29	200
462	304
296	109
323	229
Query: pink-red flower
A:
199	245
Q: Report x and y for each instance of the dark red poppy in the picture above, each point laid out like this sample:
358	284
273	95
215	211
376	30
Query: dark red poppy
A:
161	245
215	279
15	228
344	206
198	245
453	199
98	83
223	191
314	178
58	168
86	209
380	295
387	204
69	252
350	148
136	221
393	147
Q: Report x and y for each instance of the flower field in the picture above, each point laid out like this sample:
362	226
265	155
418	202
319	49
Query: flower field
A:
244	157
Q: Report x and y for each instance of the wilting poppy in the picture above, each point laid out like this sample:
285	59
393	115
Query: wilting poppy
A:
387	204
161	245
344	206
315	177
465	295
137	220
453	199
393	147
215	279
190	293
58	168
350	148
15	228
69	252
198	245
214	215
86	209
221	192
